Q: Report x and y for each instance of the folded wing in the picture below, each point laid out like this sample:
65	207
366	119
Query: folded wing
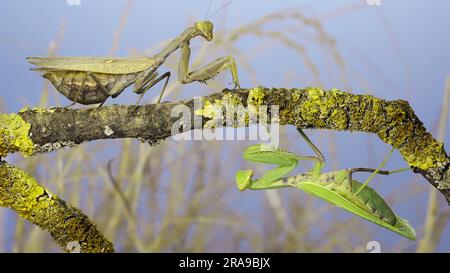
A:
92	64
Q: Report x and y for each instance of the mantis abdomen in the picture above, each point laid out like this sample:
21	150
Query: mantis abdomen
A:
88	87
367	199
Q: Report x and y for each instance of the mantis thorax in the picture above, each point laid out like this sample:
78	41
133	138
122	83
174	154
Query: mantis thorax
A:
334	180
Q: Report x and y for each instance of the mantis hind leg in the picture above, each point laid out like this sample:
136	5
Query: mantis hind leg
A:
374	172
207	72
70	105
151	83
79	93
102	88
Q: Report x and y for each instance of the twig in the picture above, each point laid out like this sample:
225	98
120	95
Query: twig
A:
69	226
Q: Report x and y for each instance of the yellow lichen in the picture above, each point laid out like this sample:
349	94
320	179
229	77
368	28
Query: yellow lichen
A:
24	109
21	192
214	111
295	95
43	110
208	110
14	135
425	156
36	110
231	100
316	108
315	93
339	118
255	99
255	96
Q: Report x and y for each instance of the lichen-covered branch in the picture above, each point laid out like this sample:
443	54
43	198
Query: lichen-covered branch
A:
69	226
393	121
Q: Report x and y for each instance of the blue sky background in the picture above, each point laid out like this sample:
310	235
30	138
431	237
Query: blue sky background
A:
401	49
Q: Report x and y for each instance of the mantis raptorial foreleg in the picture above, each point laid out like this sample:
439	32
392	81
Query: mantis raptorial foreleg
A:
208	71
285	161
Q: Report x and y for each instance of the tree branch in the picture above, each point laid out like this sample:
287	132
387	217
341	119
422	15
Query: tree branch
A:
393	121
69	226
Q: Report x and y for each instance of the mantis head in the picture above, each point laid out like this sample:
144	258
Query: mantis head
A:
243	179
205	29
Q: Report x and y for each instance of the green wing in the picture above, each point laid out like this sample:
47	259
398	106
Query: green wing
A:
92	64
401	226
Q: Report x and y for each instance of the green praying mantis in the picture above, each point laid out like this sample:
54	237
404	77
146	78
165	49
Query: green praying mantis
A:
336	187
92	80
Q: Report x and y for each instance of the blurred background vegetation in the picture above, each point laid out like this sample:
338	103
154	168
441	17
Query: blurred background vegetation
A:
181	196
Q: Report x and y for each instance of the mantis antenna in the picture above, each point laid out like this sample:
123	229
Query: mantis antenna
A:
222	7
207	10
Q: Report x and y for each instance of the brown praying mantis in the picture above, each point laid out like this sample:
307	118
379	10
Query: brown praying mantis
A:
91	80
